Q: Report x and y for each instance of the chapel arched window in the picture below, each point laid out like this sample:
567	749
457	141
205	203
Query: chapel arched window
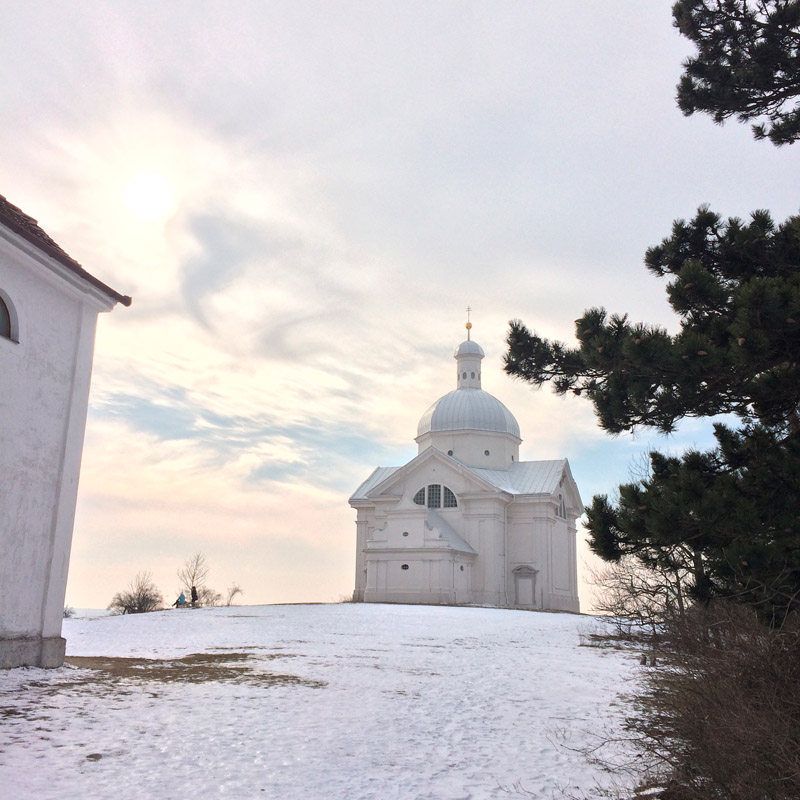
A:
436	496
5	320
561	511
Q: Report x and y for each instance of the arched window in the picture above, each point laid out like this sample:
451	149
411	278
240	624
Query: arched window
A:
8	319
435	496
561	511
5	320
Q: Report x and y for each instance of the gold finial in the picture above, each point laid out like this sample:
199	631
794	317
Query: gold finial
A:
469	324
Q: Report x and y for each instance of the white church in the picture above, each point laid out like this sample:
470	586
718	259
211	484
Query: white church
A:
465	521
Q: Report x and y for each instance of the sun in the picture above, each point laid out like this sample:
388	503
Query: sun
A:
150	196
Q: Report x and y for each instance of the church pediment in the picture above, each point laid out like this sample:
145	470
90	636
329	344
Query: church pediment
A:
569	489
432	466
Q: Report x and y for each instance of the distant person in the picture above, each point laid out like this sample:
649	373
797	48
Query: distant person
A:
181	601
194	597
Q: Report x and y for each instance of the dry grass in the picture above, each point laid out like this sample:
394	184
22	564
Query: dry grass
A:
195	668
104	675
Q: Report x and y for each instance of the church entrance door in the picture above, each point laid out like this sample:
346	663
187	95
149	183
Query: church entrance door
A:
525	586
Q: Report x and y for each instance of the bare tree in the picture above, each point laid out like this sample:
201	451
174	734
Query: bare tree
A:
140	596
194	573
233	590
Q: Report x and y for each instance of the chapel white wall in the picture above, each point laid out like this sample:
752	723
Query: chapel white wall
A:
43	409
540	539
470	447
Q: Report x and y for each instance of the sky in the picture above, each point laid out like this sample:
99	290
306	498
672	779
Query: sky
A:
303	198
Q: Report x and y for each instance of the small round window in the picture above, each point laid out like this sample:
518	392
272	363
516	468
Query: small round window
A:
449	452
486	452
405	533
404	566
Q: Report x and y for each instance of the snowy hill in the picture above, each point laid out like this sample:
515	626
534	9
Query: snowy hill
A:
314	702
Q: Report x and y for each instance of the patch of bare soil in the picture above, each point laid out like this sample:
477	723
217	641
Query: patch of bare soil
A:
194	668
103	676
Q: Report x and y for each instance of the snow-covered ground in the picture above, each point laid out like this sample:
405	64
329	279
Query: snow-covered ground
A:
314	702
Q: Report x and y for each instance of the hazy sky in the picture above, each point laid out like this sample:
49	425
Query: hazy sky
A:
302	199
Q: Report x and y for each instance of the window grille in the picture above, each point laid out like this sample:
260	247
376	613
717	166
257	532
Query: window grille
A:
433	497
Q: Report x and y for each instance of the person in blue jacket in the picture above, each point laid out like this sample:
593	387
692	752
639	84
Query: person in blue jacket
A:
181	601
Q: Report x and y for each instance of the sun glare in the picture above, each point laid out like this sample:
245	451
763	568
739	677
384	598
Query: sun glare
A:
150	196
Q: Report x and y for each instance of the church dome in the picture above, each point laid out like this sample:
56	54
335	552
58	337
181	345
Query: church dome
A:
468	410
469	348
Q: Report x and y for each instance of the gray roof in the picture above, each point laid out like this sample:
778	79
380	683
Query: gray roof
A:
468	409
524	477
378	475
469	348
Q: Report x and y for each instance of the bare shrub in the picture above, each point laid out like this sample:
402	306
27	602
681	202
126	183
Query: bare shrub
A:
68	612
638	598
231	593
208	597
140	596
720	718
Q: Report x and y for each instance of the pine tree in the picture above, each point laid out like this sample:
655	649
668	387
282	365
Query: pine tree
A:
747	64
729	515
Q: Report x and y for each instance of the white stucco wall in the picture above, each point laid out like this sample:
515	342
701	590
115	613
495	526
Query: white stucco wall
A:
43	406
470	447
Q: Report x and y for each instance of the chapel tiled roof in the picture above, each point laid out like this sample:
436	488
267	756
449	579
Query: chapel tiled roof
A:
28	228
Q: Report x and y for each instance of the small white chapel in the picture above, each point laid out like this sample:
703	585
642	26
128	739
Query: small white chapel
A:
465	521
49	306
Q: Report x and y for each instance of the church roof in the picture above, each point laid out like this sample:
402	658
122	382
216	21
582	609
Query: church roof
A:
469	347
28	228
524	477
378	476
468	409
